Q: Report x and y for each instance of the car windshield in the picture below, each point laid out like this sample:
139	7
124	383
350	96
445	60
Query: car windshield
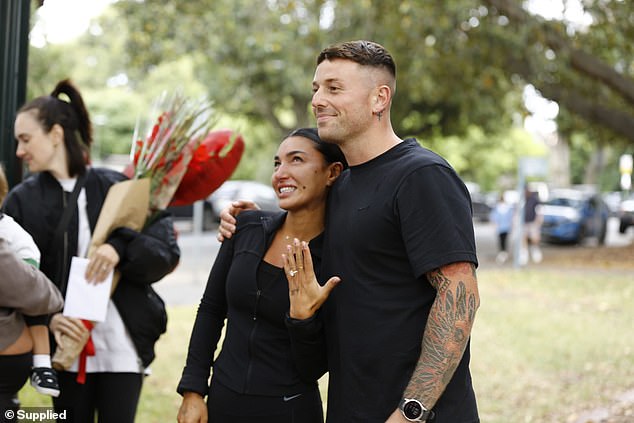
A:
565	202
226	190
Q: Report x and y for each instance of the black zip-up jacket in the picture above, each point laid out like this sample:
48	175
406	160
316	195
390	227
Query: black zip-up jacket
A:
256	356
37	205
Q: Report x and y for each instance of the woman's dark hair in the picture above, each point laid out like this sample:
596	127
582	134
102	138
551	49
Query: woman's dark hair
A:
331	152
72	116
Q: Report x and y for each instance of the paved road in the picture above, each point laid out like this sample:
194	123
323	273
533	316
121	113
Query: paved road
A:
198	251
186	284
487	242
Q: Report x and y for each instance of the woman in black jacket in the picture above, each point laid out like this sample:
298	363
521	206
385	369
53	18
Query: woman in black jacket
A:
53	139
254	378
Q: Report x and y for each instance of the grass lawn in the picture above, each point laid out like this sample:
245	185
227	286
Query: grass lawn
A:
549	344
546	345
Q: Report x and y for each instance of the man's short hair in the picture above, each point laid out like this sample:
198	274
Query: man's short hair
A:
365	53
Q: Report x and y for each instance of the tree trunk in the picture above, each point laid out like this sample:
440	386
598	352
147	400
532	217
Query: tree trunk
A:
595	166
589	109
559	161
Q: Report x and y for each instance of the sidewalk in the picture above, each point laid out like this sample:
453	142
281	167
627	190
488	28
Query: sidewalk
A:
185	285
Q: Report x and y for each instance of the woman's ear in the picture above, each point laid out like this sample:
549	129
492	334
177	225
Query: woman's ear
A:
57	134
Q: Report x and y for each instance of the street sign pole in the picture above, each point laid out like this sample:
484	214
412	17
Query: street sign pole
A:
625	166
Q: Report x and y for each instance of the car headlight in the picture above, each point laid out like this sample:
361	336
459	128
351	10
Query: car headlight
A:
571	215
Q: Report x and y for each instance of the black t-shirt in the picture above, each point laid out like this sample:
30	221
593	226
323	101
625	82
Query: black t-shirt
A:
389	222
530	207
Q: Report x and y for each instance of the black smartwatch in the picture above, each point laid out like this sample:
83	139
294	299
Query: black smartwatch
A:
414	411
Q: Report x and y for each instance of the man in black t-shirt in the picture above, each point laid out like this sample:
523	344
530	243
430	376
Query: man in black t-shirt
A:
399	234
532	228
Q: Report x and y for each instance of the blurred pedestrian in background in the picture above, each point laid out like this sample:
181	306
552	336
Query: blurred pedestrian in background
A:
502	216
532	228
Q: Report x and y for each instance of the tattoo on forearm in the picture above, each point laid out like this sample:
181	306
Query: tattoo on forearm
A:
446	334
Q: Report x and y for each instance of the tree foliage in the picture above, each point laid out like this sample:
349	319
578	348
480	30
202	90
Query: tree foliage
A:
260	57
460	63
462	66
588	71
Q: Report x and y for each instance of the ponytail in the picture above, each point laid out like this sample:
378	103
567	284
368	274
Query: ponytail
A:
84	125
72	116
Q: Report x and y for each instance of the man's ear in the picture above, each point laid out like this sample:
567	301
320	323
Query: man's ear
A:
335	170
381	99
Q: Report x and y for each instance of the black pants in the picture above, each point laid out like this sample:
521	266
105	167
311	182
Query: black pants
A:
227	406
112	396
502	237
14	372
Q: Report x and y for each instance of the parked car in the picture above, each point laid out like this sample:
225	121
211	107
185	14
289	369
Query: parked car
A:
481	203
183	213
570	216
263	195
482	206
613	200
626	214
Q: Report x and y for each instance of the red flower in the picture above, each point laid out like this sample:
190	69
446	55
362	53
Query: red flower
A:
183	159
212	163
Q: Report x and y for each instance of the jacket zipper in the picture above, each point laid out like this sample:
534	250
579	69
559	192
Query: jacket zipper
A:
258	294
257	300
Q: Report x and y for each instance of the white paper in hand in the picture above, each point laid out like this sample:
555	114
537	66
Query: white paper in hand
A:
83	300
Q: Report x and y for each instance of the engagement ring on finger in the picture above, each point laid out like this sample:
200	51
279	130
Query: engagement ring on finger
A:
293	272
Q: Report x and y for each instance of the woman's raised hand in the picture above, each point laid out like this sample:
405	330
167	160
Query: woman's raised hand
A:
305	293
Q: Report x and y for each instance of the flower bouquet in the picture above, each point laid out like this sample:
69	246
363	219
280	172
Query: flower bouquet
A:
188	168
164	154
162	149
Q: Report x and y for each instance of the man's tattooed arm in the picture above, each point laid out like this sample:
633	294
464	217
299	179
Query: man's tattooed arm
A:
447	331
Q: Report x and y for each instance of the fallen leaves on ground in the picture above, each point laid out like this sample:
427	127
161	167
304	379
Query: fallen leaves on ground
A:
596	257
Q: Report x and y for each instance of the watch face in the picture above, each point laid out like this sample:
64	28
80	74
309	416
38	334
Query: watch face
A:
412	409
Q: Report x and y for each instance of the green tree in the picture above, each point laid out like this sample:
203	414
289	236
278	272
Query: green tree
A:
459	62
261	57
462	65
586	70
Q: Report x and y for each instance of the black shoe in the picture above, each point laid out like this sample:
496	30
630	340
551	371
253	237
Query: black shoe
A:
44	380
